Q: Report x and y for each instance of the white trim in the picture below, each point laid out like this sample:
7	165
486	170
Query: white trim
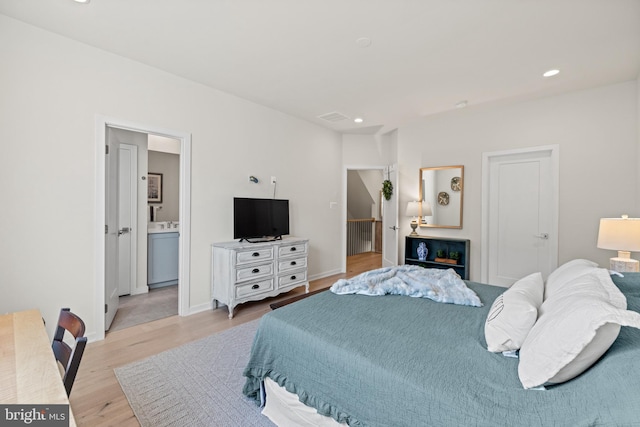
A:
553	234
101	123
319	276
207	306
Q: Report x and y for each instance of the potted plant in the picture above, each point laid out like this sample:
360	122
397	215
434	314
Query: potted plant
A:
454	255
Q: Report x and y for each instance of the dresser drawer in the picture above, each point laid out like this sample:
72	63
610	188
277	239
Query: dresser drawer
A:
243	271
254	288
292	278
254	271
292	250
260	254
292	264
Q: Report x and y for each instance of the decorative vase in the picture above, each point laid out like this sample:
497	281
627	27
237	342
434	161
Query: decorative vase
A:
422	251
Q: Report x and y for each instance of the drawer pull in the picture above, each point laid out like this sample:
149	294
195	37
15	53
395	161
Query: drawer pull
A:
255	270
255	287
293	249
293	277
293	263
255	254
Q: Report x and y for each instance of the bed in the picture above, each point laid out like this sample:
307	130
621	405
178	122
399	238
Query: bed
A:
400	361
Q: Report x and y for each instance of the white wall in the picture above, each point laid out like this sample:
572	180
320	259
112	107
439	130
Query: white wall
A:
52	89
169	166
638	156
367	150
372	179
597	131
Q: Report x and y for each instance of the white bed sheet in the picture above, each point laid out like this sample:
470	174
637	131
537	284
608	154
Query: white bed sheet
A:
284	409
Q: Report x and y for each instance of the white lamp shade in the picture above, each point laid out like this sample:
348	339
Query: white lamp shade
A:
413	209
426	209
619	234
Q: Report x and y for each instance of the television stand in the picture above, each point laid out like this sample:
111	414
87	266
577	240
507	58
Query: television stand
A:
243	271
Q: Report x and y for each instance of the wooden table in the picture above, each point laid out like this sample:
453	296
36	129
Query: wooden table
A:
29	372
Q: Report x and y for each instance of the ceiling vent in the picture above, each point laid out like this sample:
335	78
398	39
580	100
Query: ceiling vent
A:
333	117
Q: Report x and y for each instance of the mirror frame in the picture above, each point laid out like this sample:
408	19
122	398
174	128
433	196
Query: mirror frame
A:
421	217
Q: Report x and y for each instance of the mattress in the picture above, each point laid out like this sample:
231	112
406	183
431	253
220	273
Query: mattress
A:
401	361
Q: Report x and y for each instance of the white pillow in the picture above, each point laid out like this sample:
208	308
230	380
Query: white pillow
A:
567	272
513	314
596	283
574	330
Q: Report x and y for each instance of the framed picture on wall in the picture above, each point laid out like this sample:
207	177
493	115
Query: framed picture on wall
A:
154	189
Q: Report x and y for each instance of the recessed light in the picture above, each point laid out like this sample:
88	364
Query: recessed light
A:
363	42
358	120
461	104
551	73
82	1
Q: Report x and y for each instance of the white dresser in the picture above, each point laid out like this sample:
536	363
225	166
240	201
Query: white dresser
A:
243	271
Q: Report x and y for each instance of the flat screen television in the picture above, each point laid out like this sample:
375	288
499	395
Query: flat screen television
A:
260	220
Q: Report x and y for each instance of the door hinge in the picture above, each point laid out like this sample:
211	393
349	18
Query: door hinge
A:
106	308
106	149
106	229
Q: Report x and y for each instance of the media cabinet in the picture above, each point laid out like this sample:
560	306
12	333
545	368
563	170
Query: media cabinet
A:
243	271
439	253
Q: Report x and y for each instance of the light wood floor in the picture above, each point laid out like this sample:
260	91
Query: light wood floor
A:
96	397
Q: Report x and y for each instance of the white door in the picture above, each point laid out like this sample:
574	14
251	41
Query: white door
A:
127	217
390	221
521	214
111	232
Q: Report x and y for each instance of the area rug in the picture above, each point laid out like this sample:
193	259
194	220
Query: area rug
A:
197	384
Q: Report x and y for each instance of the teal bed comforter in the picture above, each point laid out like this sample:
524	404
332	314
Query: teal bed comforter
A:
400	361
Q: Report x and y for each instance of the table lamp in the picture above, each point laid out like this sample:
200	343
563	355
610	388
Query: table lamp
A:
622	235
426	210
413	210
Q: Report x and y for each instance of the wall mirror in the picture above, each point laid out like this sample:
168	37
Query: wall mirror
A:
441	190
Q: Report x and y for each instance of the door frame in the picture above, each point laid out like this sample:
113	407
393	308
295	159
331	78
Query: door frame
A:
554	151
101	124
345	171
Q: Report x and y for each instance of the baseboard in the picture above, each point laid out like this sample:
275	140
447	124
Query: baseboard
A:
199	308
324	274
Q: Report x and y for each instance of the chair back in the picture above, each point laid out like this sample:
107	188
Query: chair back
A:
69	357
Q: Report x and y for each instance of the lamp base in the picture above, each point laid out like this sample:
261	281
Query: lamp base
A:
624	265
414	225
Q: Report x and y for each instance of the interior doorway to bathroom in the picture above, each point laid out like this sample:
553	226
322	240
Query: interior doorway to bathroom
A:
111	133
162	224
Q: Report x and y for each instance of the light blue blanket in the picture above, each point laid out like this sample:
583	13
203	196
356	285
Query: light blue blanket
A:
407	362
410	280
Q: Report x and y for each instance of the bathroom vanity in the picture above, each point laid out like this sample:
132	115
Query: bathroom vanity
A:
162	255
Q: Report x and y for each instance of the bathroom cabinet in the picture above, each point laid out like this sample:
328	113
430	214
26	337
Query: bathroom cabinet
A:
162	259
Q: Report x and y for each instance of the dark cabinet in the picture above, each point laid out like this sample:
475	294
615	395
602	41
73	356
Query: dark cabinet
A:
441	252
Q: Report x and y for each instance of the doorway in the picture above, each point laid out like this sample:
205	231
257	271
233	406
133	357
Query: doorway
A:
519	214
366	210
106	286
152	292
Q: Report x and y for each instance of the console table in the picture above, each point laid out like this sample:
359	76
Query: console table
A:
243	271
446	246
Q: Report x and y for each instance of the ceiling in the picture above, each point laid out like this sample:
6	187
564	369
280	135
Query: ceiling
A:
305	58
